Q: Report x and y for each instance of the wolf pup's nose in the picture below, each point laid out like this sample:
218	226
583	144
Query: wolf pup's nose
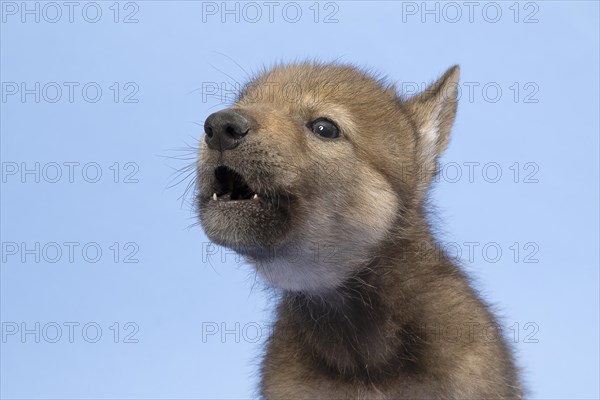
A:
225	130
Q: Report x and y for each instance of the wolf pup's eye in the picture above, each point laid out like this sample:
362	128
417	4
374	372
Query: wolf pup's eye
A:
325	128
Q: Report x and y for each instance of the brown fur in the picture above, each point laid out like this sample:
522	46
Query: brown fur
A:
368	307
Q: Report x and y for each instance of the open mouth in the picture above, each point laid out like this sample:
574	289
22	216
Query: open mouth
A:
240	208
231	187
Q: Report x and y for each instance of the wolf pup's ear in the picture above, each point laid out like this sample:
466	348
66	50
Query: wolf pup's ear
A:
433	112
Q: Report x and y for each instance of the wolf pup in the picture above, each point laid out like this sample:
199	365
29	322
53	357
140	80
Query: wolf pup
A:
317	175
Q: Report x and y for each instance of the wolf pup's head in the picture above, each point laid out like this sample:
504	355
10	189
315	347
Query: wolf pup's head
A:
314	165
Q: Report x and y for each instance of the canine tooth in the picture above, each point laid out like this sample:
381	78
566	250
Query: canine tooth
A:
214	196
255	197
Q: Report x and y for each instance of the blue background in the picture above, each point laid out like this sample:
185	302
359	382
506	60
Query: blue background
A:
177	288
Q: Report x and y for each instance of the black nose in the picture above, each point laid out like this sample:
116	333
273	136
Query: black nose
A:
225	130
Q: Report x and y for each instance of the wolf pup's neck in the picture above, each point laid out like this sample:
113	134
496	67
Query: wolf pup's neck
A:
366	329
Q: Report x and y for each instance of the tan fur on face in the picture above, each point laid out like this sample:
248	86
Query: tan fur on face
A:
348	190
345	193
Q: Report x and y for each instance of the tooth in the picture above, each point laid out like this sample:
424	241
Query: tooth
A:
255	197
214	196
